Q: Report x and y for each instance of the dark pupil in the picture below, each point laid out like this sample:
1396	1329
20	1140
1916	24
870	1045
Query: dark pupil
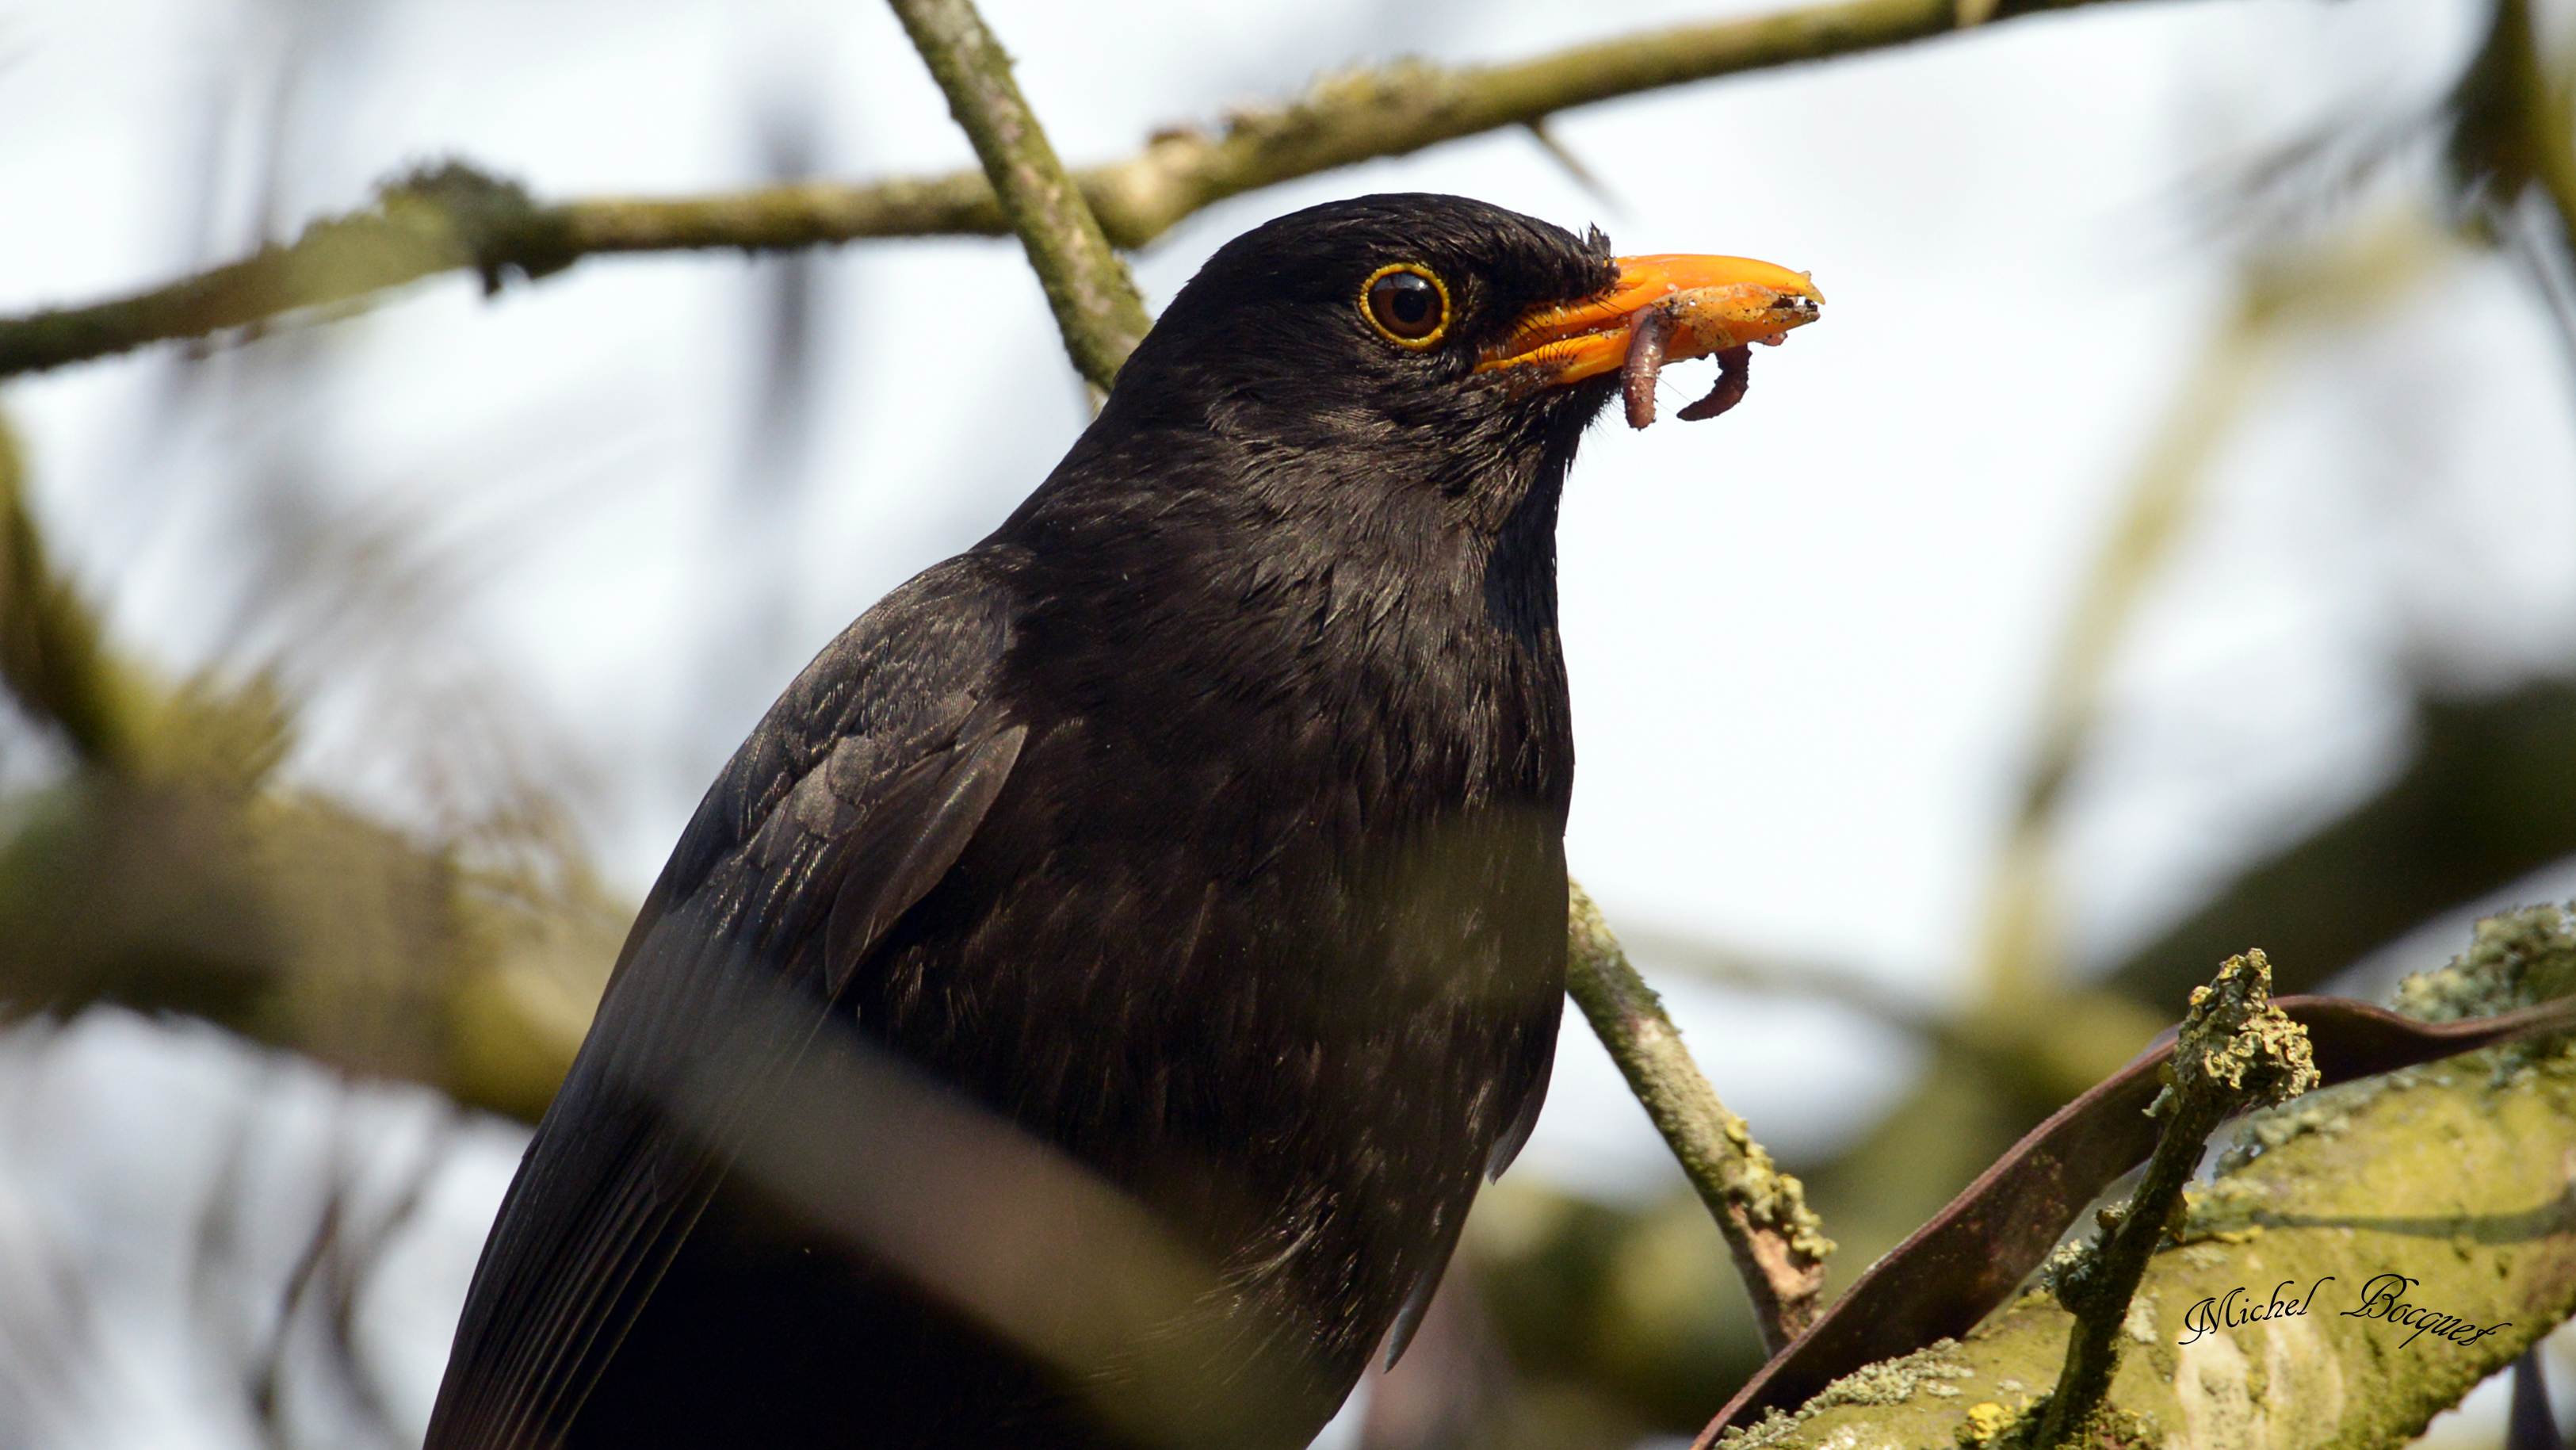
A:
1407	304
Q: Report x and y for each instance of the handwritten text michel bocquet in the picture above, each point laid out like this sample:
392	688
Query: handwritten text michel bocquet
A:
2379	1300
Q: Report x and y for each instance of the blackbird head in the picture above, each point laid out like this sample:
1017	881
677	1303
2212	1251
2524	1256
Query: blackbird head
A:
1422	342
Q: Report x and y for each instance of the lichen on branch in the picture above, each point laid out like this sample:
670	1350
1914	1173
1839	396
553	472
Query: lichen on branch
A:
2237	1050
2365	1257
445	218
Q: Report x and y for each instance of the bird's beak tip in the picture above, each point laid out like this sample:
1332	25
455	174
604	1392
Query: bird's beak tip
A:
1701	305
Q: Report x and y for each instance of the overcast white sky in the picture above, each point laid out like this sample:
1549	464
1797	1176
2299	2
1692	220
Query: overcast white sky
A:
1805	639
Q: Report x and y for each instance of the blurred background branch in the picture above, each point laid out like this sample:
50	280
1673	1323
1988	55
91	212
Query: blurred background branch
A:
2283	295
169	871
52	656
454	217
2512	132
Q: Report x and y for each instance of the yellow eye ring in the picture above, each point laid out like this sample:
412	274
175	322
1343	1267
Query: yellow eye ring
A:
1404	311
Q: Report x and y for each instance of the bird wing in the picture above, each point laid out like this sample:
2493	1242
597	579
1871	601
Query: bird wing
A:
843	810
1532	1090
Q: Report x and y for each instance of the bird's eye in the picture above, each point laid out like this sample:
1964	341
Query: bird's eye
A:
1408	303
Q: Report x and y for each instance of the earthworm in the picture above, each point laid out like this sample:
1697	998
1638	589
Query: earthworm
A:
1734	375
1646	339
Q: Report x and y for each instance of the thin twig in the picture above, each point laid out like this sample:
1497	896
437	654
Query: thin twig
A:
353	1258
1778	1243
1097	307
267	1379
2237	1051
454	218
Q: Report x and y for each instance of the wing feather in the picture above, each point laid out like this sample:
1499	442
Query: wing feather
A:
804	854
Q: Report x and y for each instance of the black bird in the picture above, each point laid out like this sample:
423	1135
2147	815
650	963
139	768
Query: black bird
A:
1083	1011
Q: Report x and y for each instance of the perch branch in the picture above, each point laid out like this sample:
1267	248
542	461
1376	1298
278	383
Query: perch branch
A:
1778	1243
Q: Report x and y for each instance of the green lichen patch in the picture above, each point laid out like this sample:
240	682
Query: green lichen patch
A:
2514	959
2234	1036
2230	1210
2108	1428
1985	1424
2445	1177
1928	1371
1894	1381
2326	1110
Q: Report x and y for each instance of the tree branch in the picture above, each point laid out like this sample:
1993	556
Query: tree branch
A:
53	655
2277	1320
2448	1183
1097	308
2510	132
2236	1047
454	218
1778	1244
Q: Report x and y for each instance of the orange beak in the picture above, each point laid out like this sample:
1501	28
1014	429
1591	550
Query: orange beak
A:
1708	304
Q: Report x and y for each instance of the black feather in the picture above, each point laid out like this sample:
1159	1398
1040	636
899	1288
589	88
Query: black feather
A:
1201	828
